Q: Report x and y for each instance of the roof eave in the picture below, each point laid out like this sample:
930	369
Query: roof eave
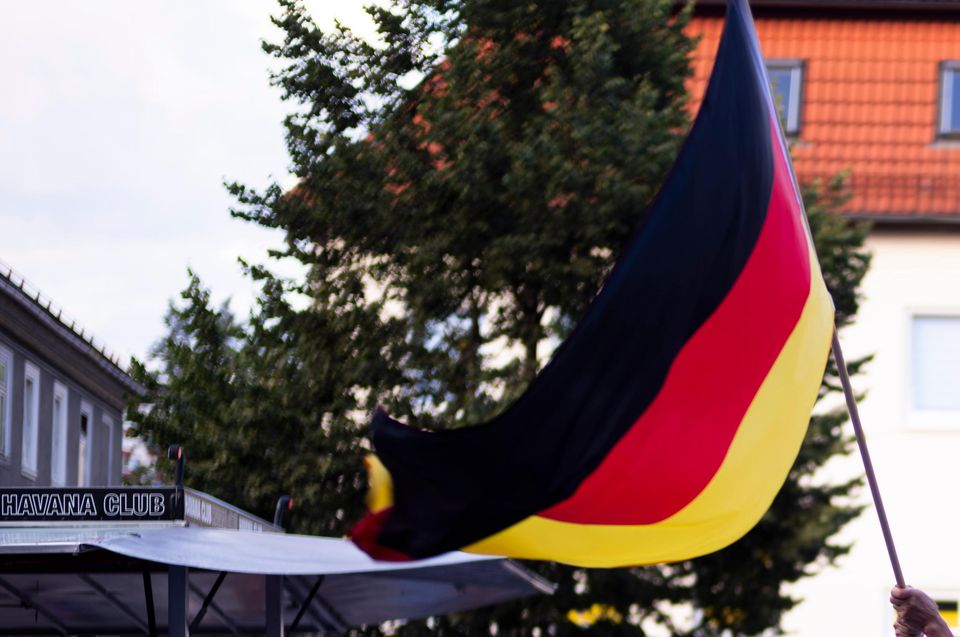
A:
78	342
906	218
897	5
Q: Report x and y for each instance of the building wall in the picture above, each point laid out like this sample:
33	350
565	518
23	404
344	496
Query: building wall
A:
870	100
106	442
913	271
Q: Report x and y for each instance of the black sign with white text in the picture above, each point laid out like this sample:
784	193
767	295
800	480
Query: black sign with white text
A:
101	504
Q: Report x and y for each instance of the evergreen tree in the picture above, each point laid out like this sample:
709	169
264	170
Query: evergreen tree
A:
464	189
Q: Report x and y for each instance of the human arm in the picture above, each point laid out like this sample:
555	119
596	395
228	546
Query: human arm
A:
917	614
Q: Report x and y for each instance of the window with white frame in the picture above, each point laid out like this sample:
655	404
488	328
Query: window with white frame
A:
58	437
31	421
108	427
949	108
6	393
935	370
786	84
85	445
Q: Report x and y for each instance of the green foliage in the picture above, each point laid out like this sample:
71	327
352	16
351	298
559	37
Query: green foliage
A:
541	132
265	408
464	189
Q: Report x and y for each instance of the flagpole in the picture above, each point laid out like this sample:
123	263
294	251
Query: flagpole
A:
865	455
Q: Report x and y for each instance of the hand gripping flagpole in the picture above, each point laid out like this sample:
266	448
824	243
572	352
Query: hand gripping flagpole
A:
865	454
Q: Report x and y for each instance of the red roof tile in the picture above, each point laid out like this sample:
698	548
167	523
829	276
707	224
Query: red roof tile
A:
869	104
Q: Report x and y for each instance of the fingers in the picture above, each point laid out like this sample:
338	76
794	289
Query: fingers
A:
902	630
904	600
897	597
900	596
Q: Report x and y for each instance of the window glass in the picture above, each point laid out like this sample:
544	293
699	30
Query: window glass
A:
950	98
786	78
5	379
58	437
780	84
31	406
108	447
83	472
955	103
935	363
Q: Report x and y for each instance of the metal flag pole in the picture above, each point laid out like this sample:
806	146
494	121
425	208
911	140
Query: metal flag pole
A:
865	454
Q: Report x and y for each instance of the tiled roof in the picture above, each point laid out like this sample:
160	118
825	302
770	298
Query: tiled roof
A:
910	5
870	94
16	288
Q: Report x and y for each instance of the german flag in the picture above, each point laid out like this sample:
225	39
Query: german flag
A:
665	425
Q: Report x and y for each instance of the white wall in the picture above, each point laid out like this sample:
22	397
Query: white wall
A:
918	468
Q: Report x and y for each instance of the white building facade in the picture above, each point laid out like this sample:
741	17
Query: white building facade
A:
910	323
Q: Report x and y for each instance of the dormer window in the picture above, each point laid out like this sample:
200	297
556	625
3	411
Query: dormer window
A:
786	83
949	124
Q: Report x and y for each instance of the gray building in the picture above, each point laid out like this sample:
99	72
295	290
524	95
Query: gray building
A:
62	396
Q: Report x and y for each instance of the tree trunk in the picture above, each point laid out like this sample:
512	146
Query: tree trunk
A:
532	335
471	356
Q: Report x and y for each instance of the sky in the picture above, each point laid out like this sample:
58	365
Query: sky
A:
119	123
